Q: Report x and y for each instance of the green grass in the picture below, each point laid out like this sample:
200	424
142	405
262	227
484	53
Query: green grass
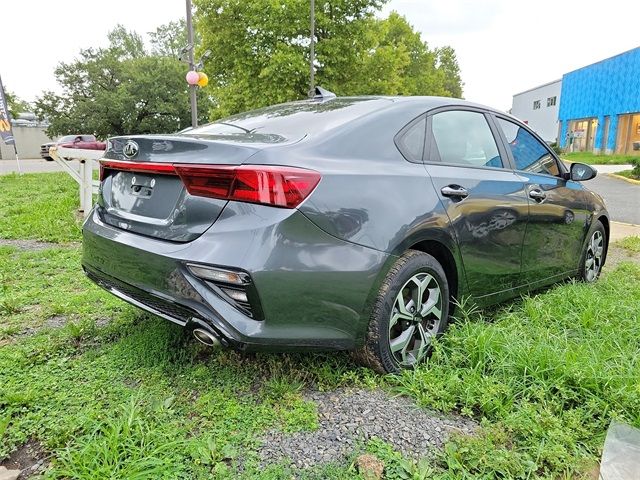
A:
546	375
111	392
628	174
632	244
40	206
591	159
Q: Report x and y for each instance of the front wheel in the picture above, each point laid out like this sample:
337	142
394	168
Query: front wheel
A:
411	309
594	253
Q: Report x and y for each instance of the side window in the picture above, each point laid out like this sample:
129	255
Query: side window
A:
529	154
411	141
464	138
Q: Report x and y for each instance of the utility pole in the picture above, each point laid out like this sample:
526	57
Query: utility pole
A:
192	88
312	52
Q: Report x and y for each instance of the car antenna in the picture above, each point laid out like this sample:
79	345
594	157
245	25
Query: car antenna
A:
320	93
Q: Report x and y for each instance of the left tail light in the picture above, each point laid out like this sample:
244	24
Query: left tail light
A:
277	186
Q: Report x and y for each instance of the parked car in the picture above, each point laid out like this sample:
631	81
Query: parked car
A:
85	142
340	223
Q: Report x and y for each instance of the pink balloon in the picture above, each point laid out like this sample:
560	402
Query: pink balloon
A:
192	78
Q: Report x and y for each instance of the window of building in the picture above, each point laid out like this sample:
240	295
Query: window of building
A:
463	137
529	154
551	101
536	104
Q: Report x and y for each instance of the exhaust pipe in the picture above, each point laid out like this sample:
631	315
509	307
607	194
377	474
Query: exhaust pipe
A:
205	337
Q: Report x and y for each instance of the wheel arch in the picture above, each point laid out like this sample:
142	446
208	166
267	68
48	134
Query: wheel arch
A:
446	258
437	242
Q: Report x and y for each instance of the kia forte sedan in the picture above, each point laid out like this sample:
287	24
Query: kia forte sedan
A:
339	223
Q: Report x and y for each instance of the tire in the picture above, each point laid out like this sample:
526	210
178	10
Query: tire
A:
396	321
48	159
594	253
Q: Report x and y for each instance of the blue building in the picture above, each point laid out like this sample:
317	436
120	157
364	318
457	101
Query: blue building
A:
600	106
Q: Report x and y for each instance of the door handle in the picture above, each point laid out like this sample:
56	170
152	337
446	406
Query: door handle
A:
454	191
537	194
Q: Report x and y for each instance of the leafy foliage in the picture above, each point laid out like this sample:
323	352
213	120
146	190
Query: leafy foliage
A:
260	52
16	104
123	88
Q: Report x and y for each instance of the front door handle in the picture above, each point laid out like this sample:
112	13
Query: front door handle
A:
454	191
537	194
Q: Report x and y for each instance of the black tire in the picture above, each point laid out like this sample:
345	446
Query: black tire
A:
376	353
48	159
590	257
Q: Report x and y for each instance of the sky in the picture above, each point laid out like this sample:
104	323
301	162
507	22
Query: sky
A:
503	46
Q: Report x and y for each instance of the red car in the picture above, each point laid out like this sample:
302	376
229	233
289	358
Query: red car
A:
86	142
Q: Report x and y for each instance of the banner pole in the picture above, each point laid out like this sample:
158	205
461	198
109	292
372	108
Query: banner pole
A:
15	149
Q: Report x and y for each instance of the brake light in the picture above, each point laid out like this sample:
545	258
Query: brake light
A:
277	186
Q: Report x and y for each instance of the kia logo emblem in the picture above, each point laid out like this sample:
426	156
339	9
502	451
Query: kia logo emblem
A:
130	149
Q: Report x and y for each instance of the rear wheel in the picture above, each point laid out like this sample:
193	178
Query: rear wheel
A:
411	309
594	253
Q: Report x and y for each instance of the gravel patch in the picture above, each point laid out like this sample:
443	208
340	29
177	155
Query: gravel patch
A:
347	417
615	255
28	244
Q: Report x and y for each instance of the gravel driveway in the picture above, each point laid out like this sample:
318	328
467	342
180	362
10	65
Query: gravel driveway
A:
349	417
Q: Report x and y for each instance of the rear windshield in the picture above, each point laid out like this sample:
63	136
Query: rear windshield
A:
293	120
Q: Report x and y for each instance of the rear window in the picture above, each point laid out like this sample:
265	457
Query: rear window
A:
292	121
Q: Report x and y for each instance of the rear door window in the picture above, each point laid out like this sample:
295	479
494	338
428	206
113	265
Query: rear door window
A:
529	154
464	138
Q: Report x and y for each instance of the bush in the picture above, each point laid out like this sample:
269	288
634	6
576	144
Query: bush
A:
556	148
636	167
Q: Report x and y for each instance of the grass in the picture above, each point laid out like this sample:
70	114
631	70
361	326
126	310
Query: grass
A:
111	392
39	206
629	174
592	159
632	244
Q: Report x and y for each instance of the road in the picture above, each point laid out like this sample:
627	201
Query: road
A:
32	165
622	198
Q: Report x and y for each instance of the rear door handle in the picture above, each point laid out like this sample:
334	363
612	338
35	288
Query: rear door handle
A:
454	191
537	194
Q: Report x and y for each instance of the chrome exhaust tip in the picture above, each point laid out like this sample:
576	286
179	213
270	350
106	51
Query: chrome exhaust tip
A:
205	337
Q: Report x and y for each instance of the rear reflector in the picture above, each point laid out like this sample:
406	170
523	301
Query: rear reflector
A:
277	186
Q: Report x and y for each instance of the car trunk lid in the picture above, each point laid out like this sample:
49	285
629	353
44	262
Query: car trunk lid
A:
141	192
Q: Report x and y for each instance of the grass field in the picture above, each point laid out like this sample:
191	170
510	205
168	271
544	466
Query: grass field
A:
591	159
105	391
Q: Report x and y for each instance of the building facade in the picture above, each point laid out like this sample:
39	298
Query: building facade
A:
600	107
538	108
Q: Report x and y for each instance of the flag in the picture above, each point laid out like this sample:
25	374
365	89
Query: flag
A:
6	133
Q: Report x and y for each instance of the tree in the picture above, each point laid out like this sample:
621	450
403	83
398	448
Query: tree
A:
168	40
118	90
260	52
15	104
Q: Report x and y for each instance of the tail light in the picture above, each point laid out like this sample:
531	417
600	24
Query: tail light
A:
277	186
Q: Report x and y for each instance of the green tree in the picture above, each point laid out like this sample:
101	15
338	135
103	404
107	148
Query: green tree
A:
260	52
118	90
168	40
16	104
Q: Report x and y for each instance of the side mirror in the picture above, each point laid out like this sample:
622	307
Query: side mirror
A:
580	172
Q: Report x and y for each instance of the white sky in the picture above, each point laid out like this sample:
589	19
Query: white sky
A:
503	46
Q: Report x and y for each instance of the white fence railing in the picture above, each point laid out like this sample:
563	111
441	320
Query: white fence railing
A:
83	176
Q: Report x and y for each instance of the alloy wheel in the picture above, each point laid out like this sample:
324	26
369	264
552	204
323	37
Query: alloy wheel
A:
593	260
415	319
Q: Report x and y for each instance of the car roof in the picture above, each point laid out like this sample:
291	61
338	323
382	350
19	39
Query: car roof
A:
291	121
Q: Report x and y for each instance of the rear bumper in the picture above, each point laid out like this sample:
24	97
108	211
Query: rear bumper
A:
314	290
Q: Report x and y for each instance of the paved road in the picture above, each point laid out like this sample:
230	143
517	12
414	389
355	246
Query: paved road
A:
622	198
32	166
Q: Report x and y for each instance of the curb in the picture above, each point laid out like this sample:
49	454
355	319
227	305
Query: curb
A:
630	180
